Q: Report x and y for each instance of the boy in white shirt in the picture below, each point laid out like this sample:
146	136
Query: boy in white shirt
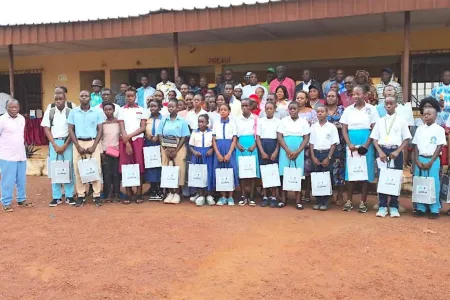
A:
390	136
323	141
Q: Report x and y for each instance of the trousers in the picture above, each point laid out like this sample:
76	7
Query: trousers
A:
111	175
398	165
68	156
82	187
14	174
322	200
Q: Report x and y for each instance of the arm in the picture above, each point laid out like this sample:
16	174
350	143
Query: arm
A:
282	143
436	153
326	161
49	135
416	157
368	142
239	146
397	152
260	147
139	130
180	143
296	153
381	153
123	133
97	139
219	156
196	153
233	145
275	153
346	138
313	157
75	140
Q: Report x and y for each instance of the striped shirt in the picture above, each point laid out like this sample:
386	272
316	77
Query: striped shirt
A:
380	89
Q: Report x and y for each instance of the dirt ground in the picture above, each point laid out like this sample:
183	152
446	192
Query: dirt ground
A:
158	251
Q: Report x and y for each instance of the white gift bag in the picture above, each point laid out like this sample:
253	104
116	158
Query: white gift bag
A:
198	175
321	184
247	166
131	175
390	182
60	170
270	176
170	177
423	190
357	168
224	180
88	169
292	179
152	157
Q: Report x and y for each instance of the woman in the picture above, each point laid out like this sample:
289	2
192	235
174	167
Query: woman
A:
363	77
282	96
335	112
334	87
314	94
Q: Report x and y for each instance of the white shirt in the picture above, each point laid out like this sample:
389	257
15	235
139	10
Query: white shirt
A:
60	127
406	113
398	132
3	98
50	105
165	87
246	126
201	139
235	106
251	89
230	130
131	117
267	128
360	118
192	118
323	137
289	127
427	138
116	109
306	86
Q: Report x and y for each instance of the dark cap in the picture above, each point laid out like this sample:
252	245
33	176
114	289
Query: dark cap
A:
387	70
314	86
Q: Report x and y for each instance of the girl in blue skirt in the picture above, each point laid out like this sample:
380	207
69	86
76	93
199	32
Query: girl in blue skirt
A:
202	153
246	144
266	138
357	122
293	136
224	144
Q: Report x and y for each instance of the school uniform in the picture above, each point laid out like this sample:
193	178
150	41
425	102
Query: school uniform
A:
359	122
390	131
235	106
116	109
152	175
202	142
266	129
293	132
192	118
246	132
427	138
131	116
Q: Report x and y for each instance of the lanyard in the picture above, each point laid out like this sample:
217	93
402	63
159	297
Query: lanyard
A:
388	130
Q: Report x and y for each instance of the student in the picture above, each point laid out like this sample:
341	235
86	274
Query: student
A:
86	131
202	151
106	98
181	109
266	139
224	143
254	105
246	144
261	93
110	149
172	132
357	121
56	129
192	115
390	136
293	137
132	121
214	116
324	138
428	141
189	99
212	109
153	175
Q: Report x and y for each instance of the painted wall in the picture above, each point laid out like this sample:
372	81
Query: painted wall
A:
367	45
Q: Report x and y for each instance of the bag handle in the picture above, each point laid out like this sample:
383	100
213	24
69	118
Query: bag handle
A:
57	155
295	163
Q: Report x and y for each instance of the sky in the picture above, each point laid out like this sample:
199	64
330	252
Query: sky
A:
54	11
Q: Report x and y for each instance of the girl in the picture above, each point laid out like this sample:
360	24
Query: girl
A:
189	101
293	137
260	93
314	99
181	109
212	110
172	132
110	157
246	144
254	104
266	139
214	116
357	121
202	151
224	143
153	175
132	120
282	97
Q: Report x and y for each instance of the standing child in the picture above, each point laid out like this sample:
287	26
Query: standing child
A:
246	144
224	143
428	141
181	108
212	110
324	138
266	139
202	153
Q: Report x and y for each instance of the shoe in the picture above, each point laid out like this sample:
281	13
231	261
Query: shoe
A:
25	203
401	209
70	201
299	206
116	199
316	207
193	198
221	201
382	212
433	216
376	207
158	196
151	195
394	212
200	201
273	202
348	206
80	202
252	203
243	201
7	208
54	203
210	200
419	214
363	207
264	202
176	199
323	207
98	201
58	201
230	201
169	198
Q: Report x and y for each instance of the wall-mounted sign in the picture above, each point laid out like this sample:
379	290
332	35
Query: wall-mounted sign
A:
221	60
62	77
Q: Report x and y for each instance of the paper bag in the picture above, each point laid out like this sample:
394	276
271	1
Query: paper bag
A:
49	169
390	182
444	195
357	168
152	157
60	170
247	166
270	176
321	184
131	175
423	190
88	169
170	176
224	180
292	179
198	175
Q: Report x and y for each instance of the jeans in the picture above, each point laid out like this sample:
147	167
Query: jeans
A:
14	173
111	176
68	156
398	165
321	156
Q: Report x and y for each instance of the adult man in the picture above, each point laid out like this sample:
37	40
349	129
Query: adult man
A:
234	103
270	75
283	80
219	81
143	92
85	130
120	97
339	79
203	85
228	79
178	82
346	97
4	97
96	97
60	147
386	79
193	85
13	160
307	82
184	89
106	97
165	85
330	80
442	91
237	92
251	87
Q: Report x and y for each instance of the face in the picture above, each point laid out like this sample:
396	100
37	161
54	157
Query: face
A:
84	98
211	92
390	104
131	97
360	79
184	89
164	75
224	112
293	110
429	115
220	101
441	102
246	108
219	79
332	98
427	105
332	73
203	82
60	101
228	75
306	75
192	81
189	102
13	109
158	96
269	77
313	94
172	107
172	94
109	111
106	96
228	90
334	87
270	110
154	108
385	77
270	98
198	101
446	77
181	105
253	79
123	88
280	94
301	99
358	94
238	93
212	104
348	83
321	113
202	123
340	75
389	91
178	82
259	92
144	81
280	72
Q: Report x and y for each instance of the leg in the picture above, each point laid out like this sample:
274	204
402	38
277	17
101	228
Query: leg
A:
56	187
107	171
97	185
79	186
9	171
21	181
350	191
69	187
364	191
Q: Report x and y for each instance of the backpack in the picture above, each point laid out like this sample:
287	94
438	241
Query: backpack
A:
53	110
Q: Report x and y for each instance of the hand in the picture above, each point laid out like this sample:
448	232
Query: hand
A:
60	150
154	139
129	149
382	156
315	160
210	152
227	158
394	155
197	154
264	155
325	162
419	165
220	158
125	138
294	155
252	148
81	150
274	157
426	166
56	147
352	147
239	146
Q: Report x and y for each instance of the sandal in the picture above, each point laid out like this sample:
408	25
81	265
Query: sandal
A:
299	206
126	200
139	199
8	208
24	203
307	200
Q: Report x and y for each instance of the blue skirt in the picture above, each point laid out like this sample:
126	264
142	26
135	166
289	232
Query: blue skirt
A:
432	172
152	175
247	141
208	161
224	146
359	137
269	146
293	142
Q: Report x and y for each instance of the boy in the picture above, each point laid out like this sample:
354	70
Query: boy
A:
390	136
323	141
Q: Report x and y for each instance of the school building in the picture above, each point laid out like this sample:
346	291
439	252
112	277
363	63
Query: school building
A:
409	36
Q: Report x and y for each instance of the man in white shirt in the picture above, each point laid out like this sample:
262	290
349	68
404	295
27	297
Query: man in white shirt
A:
106	97
252	86
3	99
165	85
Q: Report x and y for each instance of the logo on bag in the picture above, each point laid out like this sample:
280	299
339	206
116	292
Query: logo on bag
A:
89	171
131	175
358	169
390	181
321	185
60	171
422	190
225	180
248	167
170	177
197	176
292	179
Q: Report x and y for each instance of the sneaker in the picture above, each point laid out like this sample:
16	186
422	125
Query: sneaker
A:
348	206
79	202
200	201
8	208
151	195
210	200
58	201
252	202
362	207
158	196
98	201
394	212
193	198
221	201
169	198
433	216
243	201
70	201
54	203
273	202
323	207
382	212
25	203
175	199
264	202
316	207
230	201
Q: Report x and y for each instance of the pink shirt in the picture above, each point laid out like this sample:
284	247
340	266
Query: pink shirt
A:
12	138
287	82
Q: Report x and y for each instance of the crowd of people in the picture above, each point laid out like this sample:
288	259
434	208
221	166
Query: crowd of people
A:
310	127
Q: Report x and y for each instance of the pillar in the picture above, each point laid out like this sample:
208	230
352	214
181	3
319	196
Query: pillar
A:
176	59
11	70
218	70
107	82
406	78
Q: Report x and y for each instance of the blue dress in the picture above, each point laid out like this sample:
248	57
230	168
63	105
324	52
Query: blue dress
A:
204	159
247	141
224	145
293	142
152	175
